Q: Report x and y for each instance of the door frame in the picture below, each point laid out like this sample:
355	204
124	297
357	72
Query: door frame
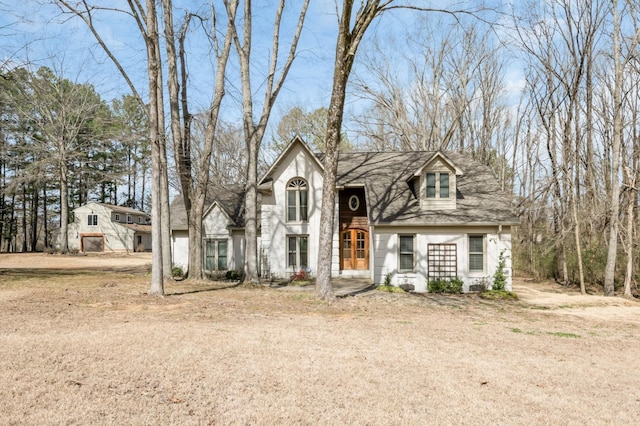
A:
355	263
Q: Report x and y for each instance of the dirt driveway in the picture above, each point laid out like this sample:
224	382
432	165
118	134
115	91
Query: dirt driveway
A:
89	261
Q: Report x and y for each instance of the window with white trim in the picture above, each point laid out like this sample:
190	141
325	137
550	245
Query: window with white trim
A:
297	200
438	185
129	219
92	220
476	253
117	217
406	250
297	252
215	255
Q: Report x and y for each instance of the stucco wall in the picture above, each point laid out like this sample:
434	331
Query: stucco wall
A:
215	226
385	253
180	249
275	228
116	237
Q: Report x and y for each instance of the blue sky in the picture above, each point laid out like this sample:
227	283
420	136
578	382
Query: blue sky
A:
36	32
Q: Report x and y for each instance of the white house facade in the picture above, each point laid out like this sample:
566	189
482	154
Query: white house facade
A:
99	227
410	217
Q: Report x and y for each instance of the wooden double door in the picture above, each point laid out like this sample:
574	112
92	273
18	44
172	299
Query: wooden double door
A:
354	249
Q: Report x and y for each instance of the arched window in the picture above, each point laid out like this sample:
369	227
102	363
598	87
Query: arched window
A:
297	196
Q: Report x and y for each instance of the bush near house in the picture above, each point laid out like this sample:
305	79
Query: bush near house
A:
453	286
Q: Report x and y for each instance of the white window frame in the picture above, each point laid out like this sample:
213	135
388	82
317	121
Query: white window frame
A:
437	187
297	263
297	186
92	220
129	219
117	217
401	253
216	254
483	253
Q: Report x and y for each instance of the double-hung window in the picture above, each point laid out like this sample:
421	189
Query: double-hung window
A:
297	200
92	220
297	252
406	253
215	255
476	253
438	185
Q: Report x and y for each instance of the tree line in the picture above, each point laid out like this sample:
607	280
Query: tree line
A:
61	146
564	147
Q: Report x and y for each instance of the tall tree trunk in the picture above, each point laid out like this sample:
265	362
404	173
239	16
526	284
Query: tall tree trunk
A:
64	207
153	67
25	234
34	217
614	199
44	215
254	131
346	48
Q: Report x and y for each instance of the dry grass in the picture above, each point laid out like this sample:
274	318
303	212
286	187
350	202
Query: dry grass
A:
89	347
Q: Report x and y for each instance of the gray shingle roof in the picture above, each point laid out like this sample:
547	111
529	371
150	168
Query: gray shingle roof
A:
390	200
229	197
123	209
386	177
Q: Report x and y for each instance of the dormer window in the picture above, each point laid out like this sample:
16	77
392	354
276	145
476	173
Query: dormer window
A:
297	200
438	185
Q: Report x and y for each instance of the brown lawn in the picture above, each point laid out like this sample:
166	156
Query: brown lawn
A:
88	346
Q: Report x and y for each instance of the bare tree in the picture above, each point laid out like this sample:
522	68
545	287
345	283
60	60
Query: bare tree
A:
146	19
254	129
193	174
351	30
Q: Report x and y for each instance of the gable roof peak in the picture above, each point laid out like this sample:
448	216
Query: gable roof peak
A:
443	157
297	140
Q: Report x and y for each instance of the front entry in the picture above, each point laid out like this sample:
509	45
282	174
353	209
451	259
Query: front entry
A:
354	249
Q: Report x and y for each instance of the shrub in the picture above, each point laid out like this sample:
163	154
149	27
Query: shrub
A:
177	272
443	285
499	277
387	279
499	295
232	275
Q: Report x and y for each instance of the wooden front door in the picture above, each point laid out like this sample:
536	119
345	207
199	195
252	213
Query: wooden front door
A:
354	249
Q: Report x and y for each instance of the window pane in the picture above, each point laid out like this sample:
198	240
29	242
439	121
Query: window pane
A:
222	255
406	244
431	185
346	245
475	262
444	185
406	253
360	246
476	244
406	262
209	257
291	206
292	253
476	253
303	206
303	252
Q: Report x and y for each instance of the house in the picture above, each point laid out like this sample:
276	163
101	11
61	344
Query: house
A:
223	230
410	216
98	227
